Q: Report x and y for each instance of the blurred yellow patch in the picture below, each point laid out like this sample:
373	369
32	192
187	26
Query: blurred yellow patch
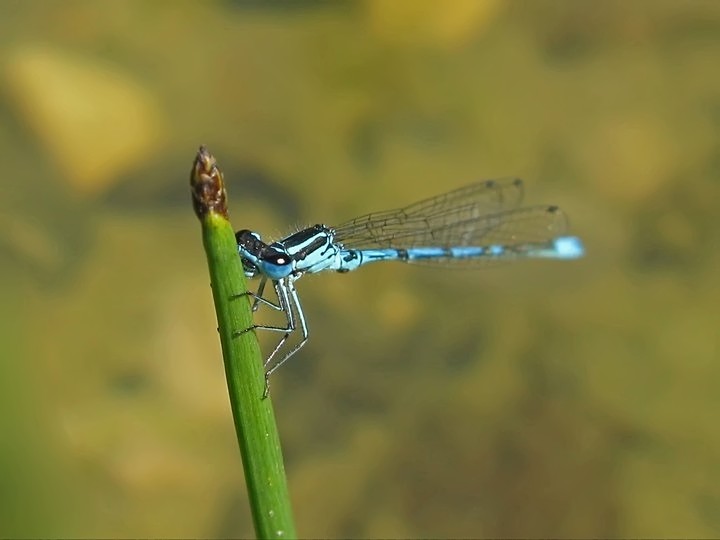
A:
398	308
94	120
632	155
448	24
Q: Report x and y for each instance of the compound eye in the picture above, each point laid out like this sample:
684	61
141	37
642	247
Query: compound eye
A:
276	265
249	240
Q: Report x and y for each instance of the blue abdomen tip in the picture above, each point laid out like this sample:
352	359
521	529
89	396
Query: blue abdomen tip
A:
569	247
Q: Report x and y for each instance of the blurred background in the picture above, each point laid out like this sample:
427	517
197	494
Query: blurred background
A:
539	399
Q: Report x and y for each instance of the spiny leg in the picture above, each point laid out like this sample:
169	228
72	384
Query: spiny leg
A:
283	305
287	300
293	300
287	308
258	297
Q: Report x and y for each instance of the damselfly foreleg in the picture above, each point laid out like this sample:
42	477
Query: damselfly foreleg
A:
293	300
258	297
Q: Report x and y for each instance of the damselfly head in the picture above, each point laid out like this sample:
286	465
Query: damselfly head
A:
249	247
259	258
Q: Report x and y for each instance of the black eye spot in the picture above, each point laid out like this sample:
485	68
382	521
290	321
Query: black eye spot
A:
279	260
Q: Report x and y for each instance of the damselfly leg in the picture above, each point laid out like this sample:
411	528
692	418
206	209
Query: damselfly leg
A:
289	304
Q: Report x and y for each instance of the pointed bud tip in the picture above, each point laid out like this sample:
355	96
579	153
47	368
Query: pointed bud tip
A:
207	185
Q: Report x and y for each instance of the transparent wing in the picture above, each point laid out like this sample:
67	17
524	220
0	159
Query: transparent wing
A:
482	214
419	224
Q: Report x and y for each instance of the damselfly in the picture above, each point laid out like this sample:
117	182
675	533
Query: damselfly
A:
470	227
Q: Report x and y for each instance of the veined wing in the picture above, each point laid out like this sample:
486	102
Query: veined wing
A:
416	222
438	219
481	214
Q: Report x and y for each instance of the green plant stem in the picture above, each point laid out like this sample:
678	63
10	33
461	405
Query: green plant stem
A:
253	416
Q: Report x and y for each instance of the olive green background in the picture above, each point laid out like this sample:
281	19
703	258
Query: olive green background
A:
538	399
